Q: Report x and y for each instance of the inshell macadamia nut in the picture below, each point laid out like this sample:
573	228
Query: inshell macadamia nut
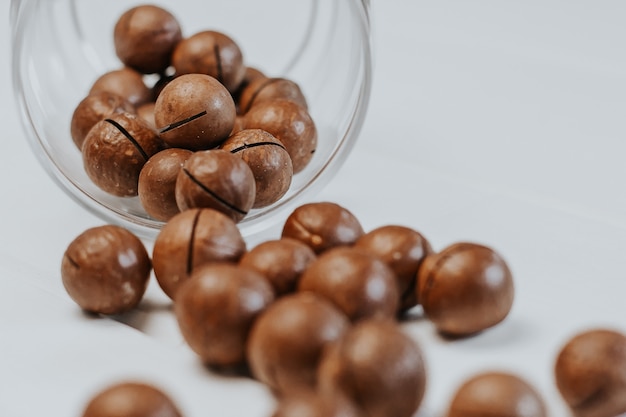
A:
269	161
496	394
116	149
360	285
144	38
190	239
106	270
288	339
403	250
465	288
323	225
215	309
194	111
590	373
157	182
213	53
281	261
94	108
131	399
378	367
216	179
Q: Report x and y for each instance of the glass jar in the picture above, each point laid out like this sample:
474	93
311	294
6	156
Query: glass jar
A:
61	46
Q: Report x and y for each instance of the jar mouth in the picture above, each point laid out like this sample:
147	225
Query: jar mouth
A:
58	52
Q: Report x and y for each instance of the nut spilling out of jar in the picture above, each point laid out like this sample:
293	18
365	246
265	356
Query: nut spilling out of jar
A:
205	98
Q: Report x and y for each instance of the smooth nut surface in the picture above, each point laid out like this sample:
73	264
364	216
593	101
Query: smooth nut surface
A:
290	123
126	83
465	288
360	285
323	225
131	399
281	261
216	179
213	53
194	111
190	239
378	367
106	270
269	161
287	341
590	373
157	182
403	250
496	394
215	309
144	38
116	149
94	108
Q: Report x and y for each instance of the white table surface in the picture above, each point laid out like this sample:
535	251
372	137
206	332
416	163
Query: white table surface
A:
496	122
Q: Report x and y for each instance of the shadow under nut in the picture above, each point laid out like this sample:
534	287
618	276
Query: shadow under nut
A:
216	179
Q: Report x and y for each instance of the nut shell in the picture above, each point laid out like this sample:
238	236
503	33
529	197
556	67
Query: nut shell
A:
215	309
287	340
465	288
269	161
131	399
590	373
190	239
194	111
216	179
496	394
378	367
106	270
360	285
323	225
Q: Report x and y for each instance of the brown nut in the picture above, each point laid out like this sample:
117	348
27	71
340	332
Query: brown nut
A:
190	239
403	250
94	108
264	89
360	285
496	394
194	111
126	83
212	53
269	161
291	124
378	367
215	309
144	38
131	399
465	288
106	270
322	226
116	149
312	404
157	182
287	341
281	261
216	179
590	373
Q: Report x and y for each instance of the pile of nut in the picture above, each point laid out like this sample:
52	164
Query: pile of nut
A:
238	134
314	314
